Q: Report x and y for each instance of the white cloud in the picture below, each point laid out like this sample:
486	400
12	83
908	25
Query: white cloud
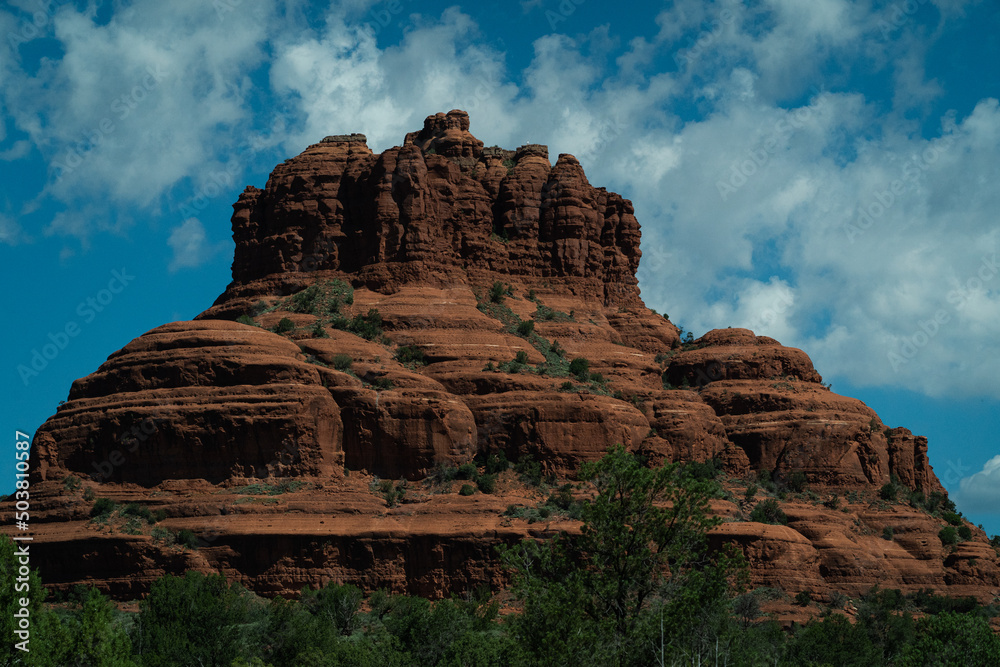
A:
138	104
190	245
980	493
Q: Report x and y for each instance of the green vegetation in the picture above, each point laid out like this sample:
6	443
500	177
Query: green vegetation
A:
526	328
342	362
636	585
498	291
948	536
103	507
284	326
246	319
768	511
411	354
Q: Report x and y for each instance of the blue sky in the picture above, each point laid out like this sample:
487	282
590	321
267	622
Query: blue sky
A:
821	171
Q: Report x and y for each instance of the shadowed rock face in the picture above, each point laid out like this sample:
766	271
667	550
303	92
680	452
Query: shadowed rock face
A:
185	416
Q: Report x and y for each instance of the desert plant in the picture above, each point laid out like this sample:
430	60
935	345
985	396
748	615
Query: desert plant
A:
342	362
71	482
411	354
487	483
750	492
768	511
521	357
88	494
803	599
246	319
284	326
833	502
318	330
497	292
103	507
467	490
580	367
525	328
964	533
948	535
187	538
798	481
888	533
467	471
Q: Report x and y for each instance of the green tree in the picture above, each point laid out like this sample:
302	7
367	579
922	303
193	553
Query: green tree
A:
198	620
638	570
949	638
95	636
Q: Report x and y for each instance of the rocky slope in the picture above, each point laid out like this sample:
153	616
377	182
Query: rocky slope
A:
430	299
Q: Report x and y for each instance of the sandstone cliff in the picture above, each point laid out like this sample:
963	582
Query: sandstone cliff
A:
429	301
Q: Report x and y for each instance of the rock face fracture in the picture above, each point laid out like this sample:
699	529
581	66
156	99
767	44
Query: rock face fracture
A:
391	317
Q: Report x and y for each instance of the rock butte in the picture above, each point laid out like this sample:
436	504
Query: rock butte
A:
184	416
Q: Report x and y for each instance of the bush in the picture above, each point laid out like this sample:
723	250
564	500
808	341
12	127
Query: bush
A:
580	367
952	518
995	541
284	326
411	353
467	471
750	492
187	538
71	483
103	507
798	481
367	326
494	462
318	330
304	301
529	470
566	386
521	357
525	328
964	533
487	483
163	535
803	599
497	292
833	502
88	494
246	319
948	535
768	511
467	490
888	533
139	511
888	492
342	362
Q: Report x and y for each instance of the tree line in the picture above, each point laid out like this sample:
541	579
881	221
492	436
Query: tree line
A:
638	585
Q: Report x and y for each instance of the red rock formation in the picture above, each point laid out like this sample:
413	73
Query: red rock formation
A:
184	417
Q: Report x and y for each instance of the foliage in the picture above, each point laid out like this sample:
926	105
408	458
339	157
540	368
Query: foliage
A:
246	319
198	619
342	362
948	535
411	354
525	328
580	367
284	326
641	555
498	291
467	490
368	326
103	507
768	511
798	481
888	533
891	489
487	483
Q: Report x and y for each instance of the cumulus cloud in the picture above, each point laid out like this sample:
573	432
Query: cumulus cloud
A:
190	246
981	491
827	218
